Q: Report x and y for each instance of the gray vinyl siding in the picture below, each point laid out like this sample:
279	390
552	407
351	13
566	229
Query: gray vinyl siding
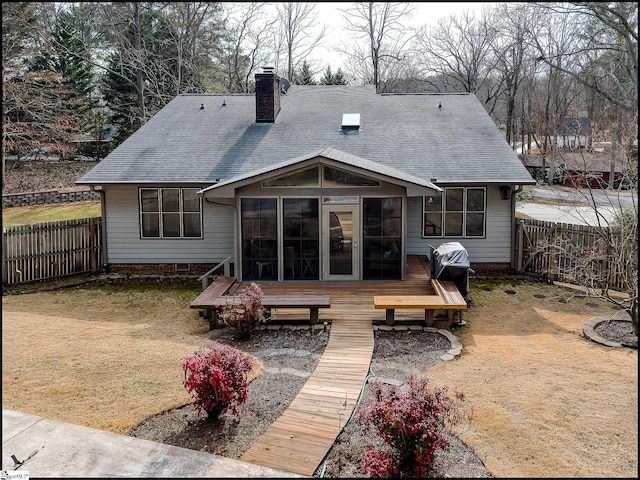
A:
126	246
494	248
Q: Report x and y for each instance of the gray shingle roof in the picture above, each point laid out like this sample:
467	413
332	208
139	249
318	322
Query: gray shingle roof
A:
407	132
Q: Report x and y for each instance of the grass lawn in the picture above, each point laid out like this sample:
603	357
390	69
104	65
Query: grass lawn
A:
49	213
546	401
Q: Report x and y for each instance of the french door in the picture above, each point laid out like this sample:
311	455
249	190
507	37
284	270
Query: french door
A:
340	237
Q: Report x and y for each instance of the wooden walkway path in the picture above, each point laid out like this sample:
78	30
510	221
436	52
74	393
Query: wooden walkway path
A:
301	437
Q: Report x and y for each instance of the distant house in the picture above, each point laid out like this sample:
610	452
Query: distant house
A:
316	182
93	144
576	133
577	168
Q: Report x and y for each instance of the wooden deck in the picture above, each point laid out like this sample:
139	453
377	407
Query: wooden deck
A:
301	437
352	300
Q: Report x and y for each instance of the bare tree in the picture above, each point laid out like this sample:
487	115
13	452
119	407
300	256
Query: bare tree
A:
381	25
512	64
299	33
192	27
164	49
558	94
41	115
605	260
41	109
245	46
459	51
605	45
358	65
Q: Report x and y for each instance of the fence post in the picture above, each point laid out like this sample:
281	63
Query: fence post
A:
93	248
5	265
519	245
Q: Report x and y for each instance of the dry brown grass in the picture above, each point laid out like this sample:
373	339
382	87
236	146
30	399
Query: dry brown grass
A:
101	359
547	402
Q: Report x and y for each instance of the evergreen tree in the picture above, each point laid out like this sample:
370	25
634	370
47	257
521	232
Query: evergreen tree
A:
304	76
118	88
327	78
338	78
330	78
71	56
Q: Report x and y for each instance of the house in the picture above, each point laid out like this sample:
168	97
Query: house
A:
575	134
577	167
311	182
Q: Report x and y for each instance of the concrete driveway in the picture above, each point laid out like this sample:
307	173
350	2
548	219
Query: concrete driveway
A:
574	215
49	448
607	203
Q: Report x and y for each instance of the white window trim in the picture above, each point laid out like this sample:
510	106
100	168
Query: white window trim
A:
321	181
443	212
181	212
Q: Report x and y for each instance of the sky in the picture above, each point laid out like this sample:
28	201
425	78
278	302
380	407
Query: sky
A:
424	13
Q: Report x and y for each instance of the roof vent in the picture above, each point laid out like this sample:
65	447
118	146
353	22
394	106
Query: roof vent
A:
350	121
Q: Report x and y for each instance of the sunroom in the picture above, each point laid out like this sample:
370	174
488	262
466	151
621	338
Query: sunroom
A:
328	216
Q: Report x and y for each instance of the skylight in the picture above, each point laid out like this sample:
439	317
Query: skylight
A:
350	121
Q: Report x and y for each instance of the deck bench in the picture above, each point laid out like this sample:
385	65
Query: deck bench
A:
449	292
312	302
220	286
447	297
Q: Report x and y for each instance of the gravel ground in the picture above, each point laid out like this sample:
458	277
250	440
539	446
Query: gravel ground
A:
619	331
289	357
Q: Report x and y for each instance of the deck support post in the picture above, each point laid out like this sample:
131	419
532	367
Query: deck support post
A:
428	317
390	317
313	315
212	315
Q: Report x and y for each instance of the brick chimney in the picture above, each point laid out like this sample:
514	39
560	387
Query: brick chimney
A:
267	95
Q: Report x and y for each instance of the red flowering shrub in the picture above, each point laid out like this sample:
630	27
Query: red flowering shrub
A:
216	376
245	311
412	423
379	464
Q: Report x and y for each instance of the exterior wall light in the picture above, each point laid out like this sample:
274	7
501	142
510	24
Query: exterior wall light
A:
505	191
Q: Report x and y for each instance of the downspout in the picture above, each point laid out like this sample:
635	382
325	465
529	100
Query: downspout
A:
514	192
103	224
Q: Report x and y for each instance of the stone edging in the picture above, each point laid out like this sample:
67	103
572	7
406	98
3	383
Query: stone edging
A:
589	332
453	353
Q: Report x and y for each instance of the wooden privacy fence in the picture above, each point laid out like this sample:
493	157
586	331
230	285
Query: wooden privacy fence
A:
568	253
51	250
44	251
